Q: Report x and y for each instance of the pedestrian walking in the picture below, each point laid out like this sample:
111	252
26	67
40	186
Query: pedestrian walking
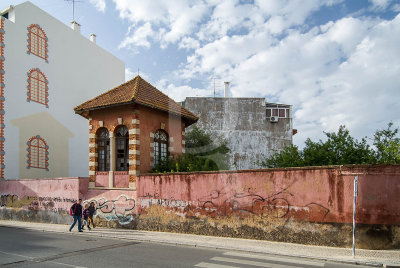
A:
92	212
85	215
76	212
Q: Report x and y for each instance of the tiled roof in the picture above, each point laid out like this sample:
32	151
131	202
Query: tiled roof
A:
137	91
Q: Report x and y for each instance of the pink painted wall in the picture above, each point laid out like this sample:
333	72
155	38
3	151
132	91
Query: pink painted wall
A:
320	194
55	194
102	179
54	197
121	179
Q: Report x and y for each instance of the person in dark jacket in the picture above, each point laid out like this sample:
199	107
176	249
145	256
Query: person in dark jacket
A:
76	210
85	216
92	211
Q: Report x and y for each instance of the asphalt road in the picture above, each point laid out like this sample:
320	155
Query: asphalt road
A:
28	248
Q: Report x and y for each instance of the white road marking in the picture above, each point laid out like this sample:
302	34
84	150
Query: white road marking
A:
68	265
270	258
32	259
213	265
247	262
16	255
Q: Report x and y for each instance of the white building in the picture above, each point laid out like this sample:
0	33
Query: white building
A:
46	69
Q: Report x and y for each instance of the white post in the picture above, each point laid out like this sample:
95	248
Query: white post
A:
354	214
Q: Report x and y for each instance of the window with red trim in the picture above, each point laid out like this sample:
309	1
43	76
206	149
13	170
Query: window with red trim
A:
37	153
37	87
37	41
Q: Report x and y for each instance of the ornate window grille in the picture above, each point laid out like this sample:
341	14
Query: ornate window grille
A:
37	41
160	146
37	87
38	154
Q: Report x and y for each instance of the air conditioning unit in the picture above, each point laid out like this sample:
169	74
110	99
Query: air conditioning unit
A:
273	119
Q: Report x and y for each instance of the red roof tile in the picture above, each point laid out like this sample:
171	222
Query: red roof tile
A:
137	91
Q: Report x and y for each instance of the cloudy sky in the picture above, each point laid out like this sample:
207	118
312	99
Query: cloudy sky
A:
337	62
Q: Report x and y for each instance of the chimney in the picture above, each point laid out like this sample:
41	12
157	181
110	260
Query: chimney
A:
76	26
93	38
9	13
226	94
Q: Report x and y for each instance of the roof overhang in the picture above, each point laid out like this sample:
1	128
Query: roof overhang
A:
85	112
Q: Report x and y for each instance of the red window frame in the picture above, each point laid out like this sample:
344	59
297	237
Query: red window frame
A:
38	90
38	153
37	41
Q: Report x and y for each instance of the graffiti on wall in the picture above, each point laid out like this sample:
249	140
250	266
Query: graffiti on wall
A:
148	200
54	204
242	203
120	209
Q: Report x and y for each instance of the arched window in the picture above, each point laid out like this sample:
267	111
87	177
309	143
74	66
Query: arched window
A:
37	87
37	41
103	149
160	146
38	154
122	141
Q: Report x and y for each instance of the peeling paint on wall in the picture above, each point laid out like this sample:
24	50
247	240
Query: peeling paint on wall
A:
301	205
243	123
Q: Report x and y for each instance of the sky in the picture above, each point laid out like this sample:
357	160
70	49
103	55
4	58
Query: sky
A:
336	62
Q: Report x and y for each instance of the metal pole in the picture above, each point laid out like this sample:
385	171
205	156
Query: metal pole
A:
354	214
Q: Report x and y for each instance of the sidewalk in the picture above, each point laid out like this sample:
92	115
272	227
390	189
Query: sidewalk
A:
386	258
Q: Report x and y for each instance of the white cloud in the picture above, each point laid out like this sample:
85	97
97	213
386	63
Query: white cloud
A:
342	72
189	43
179	93
380	4
332	75
170	22
138	38
100	5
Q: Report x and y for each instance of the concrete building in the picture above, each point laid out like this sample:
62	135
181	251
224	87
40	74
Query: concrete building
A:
132	127
47	68
253	128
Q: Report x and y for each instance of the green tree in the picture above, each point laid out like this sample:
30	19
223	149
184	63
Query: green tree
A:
387	145
203	153
290	156
339	149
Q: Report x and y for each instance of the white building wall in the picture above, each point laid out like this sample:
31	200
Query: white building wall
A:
77	70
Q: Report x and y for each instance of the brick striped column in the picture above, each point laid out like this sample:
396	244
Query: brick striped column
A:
134	152
2	111
92	154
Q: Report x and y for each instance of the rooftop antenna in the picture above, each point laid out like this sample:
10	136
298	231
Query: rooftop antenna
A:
73	8
138	71
214	85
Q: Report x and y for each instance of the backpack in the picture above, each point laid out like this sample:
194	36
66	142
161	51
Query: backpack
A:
72	212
